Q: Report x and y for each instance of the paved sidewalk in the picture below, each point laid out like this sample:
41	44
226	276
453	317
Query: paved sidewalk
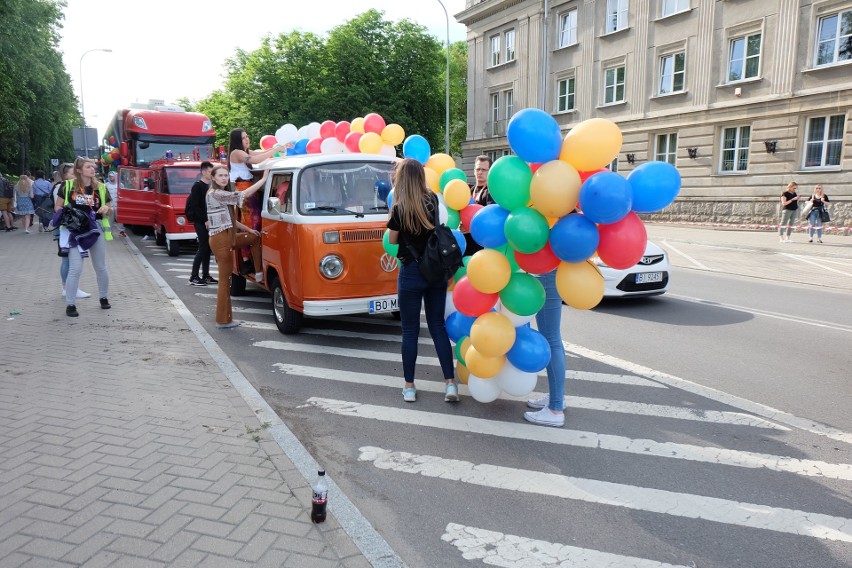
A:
123	443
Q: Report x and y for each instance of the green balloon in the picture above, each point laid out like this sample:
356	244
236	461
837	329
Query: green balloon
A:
459	354
462	271
451	174
509	182
453	219
392	250
509	253
526	230
523	295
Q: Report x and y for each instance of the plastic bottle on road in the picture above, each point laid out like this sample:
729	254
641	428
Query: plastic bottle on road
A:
320	498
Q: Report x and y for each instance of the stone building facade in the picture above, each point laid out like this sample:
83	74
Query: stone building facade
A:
742	96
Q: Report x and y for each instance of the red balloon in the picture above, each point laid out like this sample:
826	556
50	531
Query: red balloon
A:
539	262
351	141
374	123
622	243
327	129
314	146
586	175
534	167
341	129
466	214
267	142
470	301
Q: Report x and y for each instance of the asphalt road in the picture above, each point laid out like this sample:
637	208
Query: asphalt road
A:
706	428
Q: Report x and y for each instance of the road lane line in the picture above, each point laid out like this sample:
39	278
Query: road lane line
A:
686	505
265	300
511	551
684	255
815	263
584	439
772	414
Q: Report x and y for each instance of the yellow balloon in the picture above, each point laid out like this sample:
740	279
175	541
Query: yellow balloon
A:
462	373
492	334
370	143
465	344
357	125
581	284
481	365
457	194
433	180
393	134
440	162
555	189
592	144
489	271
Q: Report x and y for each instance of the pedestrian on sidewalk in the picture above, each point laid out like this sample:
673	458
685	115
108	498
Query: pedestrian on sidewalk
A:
7	198
789	210
196	211
24	200
85	193
410	225
41	192
64	172
819	213
222	226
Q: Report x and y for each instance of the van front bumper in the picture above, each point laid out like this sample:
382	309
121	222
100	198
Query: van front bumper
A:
341	307
181	236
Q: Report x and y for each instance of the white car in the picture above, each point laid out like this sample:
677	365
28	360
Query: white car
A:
649	277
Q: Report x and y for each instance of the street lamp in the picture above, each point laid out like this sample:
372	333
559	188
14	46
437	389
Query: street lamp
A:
82	106
447	120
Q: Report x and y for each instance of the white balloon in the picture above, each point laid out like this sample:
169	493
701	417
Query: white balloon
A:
483	390
388	150
286	133
449	307
515	382
517	320
314	130
331	146
304	133
443	214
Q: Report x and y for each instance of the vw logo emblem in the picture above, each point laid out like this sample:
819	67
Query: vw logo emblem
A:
388	262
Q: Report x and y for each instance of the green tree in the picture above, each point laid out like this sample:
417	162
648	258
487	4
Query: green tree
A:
458	96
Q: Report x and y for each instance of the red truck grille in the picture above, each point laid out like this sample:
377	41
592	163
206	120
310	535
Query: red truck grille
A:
361	235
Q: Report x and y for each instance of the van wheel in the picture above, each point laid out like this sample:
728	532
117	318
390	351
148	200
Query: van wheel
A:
396	315
161	238
238	284
287	319
173	247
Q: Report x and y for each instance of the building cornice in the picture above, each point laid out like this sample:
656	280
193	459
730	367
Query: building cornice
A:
484	9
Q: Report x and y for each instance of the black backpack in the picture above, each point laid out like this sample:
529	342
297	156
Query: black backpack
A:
442	256
196	206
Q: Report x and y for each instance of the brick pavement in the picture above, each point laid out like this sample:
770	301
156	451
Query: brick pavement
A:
122	443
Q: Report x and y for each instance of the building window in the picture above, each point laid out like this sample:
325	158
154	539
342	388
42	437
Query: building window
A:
674	6
509	103
568	28
672	73
824	141
565	95
495	114
509	40
666	148
744	59
497	154
614	85
613	165
495	51
834	38
735	143
616	15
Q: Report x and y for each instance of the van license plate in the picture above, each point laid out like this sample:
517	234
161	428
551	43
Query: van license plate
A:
646	277
383	305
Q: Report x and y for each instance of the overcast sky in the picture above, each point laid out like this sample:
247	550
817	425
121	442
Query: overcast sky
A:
169	50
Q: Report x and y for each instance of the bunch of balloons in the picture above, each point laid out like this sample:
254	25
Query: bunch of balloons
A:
111	157
369	134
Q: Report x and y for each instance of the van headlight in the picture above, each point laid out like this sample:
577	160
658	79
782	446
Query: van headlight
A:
331	266
181	220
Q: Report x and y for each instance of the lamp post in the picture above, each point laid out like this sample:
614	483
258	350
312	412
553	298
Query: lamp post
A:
447	119
82	106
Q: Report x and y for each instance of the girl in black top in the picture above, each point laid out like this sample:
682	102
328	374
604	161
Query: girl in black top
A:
789	208
410	225
820	205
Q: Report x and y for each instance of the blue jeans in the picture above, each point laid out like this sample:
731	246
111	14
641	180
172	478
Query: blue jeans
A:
549	323
414	291
815	222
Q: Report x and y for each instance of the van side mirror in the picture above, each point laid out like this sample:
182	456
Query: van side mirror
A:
273	204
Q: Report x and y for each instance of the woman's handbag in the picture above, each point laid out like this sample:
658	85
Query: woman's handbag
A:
806	210
75	220
824	216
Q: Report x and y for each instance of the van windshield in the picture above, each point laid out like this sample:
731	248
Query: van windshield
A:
345	188
179	181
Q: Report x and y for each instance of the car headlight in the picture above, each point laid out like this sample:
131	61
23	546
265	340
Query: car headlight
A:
181	220
331	266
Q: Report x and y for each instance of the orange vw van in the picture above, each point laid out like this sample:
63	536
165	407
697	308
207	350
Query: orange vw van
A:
322	218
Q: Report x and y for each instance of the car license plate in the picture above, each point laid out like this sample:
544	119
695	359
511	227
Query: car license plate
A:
647	277
383	305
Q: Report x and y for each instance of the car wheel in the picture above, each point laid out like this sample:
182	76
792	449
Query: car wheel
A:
161	238
238	284
173	247
287	319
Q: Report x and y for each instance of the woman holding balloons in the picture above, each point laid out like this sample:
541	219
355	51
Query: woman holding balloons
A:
241	157
410	224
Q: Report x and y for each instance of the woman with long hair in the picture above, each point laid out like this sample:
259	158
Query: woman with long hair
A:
410	224
222	227
87	194
819	201
24	200
789	209
63	173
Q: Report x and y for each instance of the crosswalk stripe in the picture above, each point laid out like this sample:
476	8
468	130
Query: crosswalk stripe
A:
585	439
235	299
498	549
686	505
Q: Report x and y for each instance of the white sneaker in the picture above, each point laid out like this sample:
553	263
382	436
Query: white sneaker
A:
230	324
81	294
258	277
539	403
545	417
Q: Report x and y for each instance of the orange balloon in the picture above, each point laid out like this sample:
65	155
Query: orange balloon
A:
592	144
370	143
462	373
489	271
580	284
440	162
481	365
456	194
357	125
492	334
555	189
393	134
433	180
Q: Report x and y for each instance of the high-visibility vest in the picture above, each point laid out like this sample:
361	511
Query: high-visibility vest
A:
69	186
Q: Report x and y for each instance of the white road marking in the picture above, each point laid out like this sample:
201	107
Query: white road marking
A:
684	255
584	439
757	408
610	378
751	515
510	551
811	261
234	298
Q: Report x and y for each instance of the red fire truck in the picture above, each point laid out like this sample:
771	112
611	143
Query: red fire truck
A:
161	149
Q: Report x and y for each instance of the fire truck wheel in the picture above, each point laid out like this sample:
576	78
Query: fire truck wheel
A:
287	319
161	238
173	247
238	285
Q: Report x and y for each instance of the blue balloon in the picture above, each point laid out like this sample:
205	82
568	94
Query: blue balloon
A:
574	238
460	240
606	198
383	189
655	185
291	151
530	352
301	146
390	199
458	326
487	226
417	148
534	136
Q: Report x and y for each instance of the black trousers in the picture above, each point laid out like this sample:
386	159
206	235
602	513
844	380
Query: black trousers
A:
202	257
